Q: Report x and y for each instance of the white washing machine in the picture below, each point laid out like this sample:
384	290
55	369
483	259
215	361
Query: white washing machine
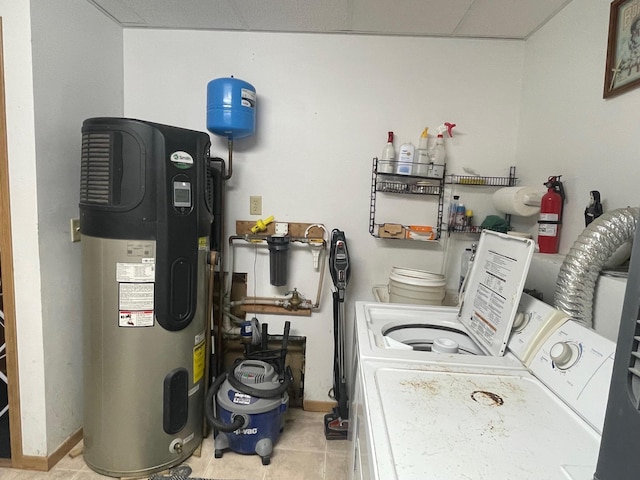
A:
467	339
434	420
424	334
488	309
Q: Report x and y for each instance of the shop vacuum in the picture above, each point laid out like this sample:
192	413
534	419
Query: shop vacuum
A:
146	210
251	400
336	423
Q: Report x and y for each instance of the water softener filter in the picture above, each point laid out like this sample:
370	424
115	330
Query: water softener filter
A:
146	200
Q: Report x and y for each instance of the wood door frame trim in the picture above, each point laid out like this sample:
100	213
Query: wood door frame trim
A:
8	291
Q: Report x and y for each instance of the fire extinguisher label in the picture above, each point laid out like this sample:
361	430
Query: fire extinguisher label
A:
549	217
547	230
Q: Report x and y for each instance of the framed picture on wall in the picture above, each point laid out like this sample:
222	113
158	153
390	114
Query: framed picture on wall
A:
623	49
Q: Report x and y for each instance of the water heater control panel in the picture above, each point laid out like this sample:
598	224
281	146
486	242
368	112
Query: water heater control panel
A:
182	196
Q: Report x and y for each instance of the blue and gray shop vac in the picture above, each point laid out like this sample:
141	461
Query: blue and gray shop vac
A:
251	400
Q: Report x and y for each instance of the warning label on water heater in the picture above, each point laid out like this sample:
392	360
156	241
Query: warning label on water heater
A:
135	304
136	272
136	318
198	362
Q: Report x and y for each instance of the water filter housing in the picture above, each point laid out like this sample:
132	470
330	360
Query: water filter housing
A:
146	203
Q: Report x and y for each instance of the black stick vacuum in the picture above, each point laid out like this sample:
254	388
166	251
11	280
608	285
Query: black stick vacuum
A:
336	423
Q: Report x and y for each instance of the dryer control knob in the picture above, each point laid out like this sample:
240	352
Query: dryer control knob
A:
563	355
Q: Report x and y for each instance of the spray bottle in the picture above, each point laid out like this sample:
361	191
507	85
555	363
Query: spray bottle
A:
438	154
421	167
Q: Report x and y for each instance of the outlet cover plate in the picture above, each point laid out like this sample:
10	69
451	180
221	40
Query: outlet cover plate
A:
74	225
255	205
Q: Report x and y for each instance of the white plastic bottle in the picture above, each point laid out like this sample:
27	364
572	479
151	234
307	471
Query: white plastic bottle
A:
421	167
386	164
405	159
437	155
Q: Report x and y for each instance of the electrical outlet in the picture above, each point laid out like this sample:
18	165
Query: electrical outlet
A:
255	205
74	224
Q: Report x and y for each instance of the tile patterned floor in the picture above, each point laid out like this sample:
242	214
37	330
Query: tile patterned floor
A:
302	453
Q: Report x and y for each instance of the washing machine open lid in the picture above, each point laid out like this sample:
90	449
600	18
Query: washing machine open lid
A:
490	297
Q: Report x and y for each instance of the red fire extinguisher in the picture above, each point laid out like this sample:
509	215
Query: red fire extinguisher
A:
551	216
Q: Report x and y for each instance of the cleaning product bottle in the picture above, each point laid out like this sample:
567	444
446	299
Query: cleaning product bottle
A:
421	167
468	220
453	209
438	154
460	216
386	164
405	159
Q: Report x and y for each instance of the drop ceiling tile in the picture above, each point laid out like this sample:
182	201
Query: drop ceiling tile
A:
294	15
121	11
449	18
507	18
194	14
407	17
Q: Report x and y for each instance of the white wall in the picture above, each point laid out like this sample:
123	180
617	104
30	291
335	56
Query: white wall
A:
77	72
16	33
63	63
567	128
325	104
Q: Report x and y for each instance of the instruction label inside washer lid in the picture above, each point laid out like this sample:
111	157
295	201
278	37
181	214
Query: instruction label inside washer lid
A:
493	289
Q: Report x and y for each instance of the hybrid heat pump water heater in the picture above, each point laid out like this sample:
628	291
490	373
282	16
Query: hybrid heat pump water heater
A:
145	218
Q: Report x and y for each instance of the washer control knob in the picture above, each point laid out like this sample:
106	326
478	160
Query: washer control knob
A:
520	321
563	355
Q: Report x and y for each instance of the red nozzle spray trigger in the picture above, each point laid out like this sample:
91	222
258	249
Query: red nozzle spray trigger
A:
449	128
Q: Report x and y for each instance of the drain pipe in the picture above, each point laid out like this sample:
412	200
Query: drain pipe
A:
576	284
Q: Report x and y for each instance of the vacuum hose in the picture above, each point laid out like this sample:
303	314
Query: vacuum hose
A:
238	421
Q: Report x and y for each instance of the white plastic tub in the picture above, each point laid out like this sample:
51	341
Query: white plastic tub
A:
408	285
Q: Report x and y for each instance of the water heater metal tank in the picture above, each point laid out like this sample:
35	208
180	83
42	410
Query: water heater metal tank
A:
231	108
145	218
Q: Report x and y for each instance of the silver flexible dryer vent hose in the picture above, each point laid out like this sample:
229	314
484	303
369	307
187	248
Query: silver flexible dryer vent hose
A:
596	244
